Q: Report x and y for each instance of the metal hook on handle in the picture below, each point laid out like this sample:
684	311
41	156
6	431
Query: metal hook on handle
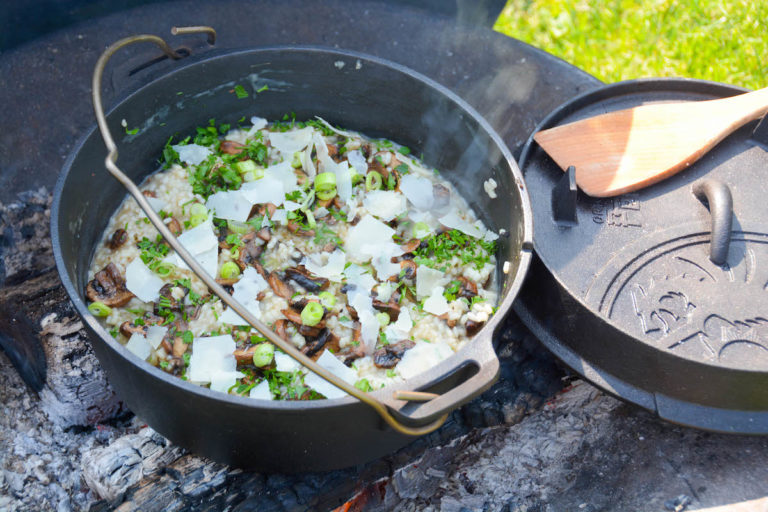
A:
264	330
717	196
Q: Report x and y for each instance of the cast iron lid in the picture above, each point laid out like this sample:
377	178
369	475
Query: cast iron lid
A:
650	294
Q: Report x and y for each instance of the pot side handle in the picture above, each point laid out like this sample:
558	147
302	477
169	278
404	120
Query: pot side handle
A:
480	369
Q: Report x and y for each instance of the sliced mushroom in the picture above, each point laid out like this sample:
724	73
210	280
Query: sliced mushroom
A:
294	227
390	355
108	287
411	245
264	234
390	308
303	278
179	347
280	328
174	226
250	251
407	271
311	331
118	238
326	339
473	327
244	355
231	147
127	329
281	288
468	288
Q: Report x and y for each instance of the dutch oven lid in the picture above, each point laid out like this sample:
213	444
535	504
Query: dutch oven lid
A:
675	298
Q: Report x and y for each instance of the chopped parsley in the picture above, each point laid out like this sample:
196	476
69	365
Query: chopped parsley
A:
443	247
262	89
240	92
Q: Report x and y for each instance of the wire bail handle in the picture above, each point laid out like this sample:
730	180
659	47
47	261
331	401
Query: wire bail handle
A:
111	165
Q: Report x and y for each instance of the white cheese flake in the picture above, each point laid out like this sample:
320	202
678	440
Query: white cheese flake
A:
289	142
365	236
422	357
333	267
418	190
212	361
230	204
428	279
336	367
141	281
155	335
268	189
192	154
285	363
490	187
261	391
436	302
139	346
384	204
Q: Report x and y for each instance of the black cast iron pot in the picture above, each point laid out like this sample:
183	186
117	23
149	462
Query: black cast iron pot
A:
357	92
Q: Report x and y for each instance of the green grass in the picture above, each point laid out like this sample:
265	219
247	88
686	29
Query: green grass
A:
725	41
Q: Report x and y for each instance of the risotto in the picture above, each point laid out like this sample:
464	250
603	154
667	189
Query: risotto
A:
348	247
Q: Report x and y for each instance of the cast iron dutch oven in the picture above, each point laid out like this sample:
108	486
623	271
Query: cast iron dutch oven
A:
357	92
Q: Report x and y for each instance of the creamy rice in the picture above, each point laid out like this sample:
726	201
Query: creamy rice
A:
389	236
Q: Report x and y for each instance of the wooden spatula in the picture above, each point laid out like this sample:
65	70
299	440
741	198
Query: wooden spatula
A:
630	149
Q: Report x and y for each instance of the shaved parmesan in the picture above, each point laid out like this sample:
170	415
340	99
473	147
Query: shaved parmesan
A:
368	232
384	291
230	205
344	181
385	204
381	259
192	154
289	142
427	279
336	367
156	203
139	346
199	239
418	190
285	174
436	302
291	206
422	357
401	329
261	391
258	123
222	381
280	216
265	190
141	281
307	164
251	283
212	360
454	221
357	160
155	335
285	363
332	268
359	277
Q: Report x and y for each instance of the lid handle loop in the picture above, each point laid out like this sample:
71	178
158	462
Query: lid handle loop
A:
717	197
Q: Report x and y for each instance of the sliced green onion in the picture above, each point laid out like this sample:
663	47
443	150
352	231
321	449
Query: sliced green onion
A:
296	162
241	228
327	299
373	180
99	309
312	313
421	230
198	209
229	270
263	354
196	220
383	318
234	252
163	268
325	185
311	223
356	176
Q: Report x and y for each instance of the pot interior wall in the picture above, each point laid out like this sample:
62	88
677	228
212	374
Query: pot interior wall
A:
347	90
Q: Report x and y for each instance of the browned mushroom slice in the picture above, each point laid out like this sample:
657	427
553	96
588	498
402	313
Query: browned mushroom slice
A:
250	251
390	308
127	329
280	328
326	339
228	281
411	245
303	278
244	355
118	238
264	234
179	347
305	330
108	287
174	226
231	147
294	227
279	286
473	327
468	288
407	271
390	355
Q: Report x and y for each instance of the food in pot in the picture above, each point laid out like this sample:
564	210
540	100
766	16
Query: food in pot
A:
348	247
